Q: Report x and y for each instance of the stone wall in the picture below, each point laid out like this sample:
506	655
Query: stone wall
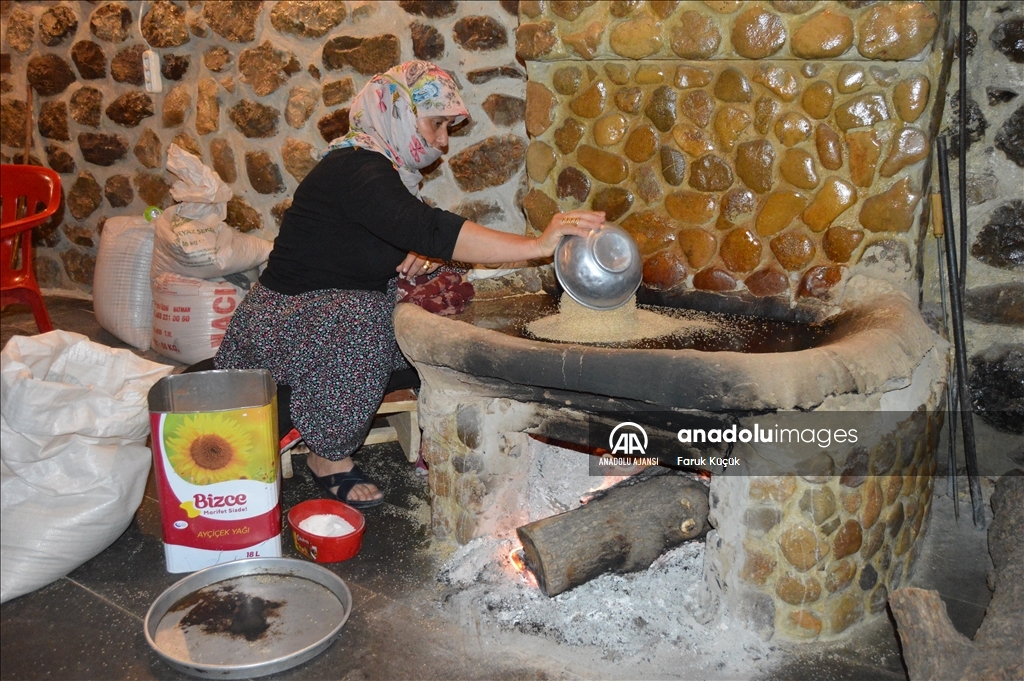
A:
255	89
764	148
994	304
818	553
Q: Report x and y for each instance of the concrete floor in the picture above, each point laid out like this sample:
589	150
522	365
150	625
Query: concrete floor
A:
89	624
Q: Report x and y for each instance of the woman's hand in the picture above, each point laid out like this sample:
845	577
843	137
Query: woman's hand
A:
482	246
415	265
573	223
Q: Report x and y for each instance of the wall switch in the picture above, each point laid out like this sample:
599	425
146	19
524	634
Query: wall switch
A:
151	71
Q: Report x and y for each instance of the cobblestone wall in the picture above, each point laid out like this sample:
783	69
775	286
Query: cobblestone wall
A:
763	147
255	89
821	553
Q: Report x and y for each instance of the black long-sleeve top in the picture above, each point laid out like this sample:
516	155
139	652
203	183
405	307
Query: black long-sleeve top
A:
351	223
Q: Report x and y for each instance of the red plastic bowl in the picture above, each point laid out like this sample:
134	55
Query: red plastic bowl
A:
326	549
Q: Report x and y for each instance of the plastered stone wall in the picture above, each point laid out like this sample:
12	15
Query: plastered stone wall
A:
994	300
254	88
766	148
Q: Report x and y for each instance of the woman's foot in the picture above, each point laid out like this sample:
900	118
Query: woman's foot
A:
321	467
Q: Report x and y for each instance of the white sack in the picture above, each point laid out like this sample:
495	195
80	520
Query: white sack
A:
190	316
191	237
73	460
200	191
203	248
122	295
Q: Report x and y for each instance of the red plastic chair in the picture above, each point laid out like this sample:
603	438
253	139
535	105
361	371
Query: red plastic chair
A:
28	196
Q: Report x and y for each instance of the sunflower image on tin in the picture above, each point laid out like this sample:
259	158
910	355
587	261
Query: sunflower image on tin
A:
207	448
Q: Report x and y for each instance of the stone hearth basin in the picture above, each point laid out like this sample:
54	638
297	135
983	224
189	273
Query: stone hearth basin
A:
803	552
871	348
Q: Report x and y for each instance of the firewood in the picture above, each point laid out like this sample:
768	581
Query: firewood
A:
933	649
623	530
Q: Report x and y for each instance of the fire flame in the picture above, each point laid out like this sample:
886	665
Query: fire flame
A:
606	482
515	556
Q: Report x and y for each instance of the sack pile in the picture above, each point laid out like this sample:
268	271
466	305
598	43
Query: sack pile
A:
173	284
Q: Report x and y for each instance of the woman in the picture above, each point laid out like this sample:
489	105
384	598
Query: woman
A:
320	317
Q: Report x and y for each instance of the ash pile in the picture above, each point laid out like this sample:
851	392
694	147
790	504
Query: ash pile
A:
652	615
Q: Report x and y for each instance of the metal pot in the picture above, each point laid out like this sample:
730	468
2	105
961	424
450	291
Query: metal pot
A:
601	271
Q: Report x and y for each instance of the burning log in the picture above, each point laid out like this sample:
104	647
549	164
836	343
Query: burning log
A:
933	649
624	529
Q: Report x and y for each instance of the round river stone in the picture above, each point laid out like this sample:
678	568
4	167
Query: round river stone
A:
834	198
829	147
778	211
697	245
767	282
754	164
758	33
818	98
793	250
741	250
840	242
910	97
895	31
826	34
641	144
797	168
733	86
710	173
696	36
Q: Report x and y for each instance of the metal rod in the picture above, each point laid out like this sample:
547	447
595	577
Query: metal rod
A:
959	345
952	488
951	401
962	165
938	231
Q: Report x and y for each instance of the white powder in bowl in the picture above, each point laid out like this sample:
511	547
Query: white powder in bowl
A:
326	525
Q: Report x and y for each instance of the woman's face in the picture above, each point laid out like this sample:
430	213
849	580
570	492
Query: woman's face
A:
435	130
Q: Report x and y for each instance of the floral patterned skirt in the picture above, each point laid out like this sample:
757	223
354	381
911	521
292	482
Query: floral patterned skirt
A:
334	348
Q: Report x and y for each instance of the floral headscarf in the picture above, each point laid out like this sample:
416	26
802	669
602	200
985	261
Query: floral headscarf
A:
384	113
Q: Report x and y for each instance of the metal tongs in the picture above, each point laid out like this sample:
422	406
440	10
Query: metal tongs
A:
960	395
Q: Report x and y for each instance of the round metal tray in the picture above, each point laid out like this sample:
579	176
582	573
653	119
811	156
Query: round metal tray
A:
248	617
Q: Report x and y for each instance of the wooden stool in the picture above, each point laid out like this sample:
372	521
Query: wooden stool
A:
399	411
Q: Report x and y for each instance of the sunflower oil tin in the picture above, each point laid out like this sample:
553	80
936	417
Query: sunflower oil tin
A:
215	453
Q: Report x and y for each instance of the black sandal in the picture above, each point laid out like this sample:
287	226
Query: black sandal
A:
344	482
